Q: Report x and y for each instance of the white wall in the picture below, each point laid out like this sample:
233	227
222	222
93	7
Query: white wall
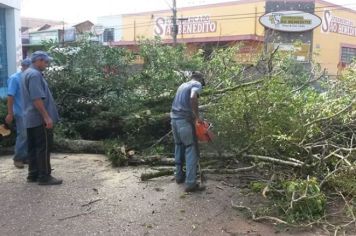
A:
13	33
11	3
13	38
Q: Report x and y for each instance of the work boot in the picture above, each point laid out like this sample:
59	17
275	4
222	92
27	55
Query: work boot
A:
181	178
49	180
180	181
31	179
194	188
19	164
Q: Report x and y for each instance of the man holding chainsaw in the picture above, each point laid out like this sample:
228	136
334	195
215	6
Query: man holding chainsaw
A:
184	114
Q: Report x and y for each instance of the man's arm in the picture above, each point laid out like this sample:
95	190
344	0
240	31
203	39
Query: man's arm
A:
195	106
38	103
10	112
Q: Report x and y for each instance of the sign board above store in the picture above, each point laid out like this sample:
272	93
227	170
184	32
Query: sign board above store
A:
290	21
190	25
338	25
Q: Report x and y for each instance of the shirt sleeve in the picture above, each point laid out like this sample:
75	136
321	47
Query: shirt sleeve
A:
12	86
35	87
196	89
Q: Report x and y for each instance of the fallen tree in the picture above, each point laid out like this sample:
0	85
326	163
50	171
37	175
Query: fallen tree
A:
286	117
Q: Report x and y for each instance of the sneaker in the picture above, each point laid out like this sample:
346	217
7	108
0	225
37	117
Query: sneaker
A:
49	180
19	164
194	188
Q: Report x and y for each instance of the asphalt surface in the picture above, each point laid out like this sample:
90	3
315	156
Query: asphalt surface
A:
96	199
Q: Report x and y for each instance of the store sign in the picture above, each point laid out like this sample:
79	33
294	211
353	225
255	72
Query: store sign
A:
190	25
290	21
301	52
338	25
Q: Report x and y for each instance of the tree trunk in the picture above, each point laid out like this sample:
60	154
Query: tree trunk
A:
154	160
78	146
147	176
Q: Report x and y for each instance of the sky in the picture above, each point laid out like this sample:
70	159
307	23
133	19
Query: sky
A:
75	11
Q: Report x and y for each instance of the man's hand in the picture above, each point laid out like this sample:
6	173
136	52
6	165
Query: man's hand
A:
198	120
9	118
10	112
48	123
38	103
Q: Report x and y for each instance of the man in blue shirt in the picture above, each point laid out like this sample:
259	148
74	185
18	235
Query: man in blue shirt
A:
184	114
40	114
15	110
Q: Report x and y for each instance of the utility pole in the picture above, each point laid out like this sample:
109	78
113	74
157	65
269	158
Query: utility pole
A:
174	23
181	19
135	31
63	33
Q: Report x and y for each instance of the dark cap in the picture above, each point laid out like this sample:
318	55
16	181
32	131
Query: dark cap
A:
197	75
40	55
26	62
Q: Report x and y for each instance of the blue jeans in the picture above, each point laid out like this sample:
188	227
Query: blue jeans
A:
186	149
21	140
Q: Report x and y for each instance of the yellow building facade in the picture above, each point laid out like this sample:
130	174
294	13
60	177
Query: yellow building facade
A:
217	22
334	40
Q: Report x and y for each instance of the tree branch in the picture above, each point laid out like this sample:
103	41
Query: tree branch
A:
332	116
265	158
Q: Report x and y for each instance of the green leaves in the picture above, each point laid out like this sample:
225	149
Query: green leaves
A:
162	69
88	80
223	68
300	200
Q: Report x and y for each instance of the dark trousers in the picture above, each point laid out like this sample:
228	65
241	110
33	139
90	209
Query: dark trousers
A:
40	142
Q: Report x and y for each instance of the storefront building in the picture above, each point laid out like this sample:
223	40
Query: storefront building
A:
335	40
202	26
10	41
327	32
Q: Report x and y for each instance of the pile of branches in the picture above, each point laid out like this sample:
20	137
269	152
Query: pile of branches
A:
279	112
296	117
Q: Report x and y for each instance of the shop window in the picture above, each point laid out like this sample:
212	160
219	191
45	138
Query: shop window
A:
108	35
347	54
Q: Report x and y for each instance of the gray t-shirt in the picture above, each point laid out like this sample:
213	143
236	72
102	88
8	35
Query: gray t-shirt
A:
34	86
181	107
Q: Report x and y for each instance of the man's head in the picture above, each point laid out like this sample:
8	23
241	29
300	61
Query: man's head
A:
198	76
25	64
40	59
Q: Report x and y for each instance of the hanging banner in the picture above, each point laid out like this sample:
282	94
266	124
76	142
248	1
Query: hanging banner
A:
290	21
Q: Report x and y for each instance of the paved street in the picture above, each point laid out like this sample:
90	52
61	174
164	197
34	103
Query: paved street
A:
96	199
